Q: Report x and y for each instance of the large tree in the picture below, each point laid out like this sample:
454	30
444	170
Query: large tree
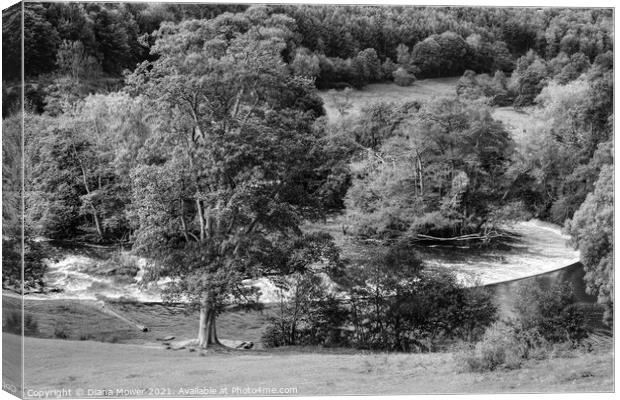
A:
591	231
80	164
441	173
231	169
17	241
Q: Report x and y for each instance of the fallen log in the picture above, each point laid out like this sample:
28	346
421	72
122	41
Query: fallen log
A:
473	236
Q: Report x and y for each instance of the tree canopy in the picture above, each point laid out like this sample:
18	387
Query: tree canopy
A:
228	175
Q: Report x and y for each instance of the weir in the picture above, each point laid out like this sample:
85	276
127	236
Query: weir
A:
504	293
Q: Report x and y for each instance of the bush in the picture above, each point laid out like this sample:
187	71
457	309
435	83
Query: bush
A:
498	348
547	322
13	324
61	331
308	316
549	309
402	77
31	326
396	306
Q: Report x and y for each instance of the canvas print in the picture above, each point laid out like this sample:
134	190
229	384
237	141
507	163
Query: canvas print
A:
219	200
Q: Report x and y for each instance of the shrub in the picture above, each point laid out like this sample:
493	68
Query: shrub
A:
31	326
308	315
402	77
274	335
61	331
112	339
549	309
13	324
499	347
397	306
547	321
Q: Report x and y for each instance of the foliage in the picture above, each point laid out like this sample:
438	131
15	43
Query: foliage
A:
591	230
546	308
564	158
228	174
397	306
499	348
33	267
545	318
17	240
440	174
308	314
446	54
61	331
305	63
402	77
73	61
215	153
529	78
379	122
13	324
474	87
81	166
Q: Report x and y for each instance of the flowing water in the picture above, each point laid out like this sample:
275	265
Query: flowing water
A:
540	247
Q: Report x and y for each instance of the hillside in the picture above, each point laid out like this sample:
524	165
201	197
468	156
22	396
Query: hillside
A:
306	371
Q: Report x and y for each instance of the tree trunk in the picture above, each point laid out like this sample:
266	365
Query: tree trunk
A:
207	335
201	219
97	223
85	181
183	224
421	172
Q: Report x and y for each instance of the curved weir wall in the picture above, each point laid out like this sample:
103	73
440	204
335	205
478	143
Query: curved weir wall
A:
505	292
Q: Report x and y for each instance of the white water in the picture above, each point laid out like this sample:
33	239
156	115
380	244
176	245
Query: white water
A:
542	248
73	278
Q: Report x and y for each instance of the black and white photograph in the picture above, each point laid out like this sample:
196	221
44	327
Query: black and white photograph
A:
224	200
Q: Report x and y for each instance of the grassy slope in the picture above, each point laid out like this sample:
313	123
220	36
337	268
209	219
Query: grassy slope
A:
55	363
83	321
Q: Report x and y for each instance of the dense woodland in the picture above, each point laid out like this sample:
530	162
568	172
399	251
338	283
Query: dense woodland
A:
195	135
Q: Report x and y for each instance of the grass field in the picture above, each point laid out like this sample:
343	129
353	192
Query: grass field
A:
117	356
84	321
520	123
388	92
88	365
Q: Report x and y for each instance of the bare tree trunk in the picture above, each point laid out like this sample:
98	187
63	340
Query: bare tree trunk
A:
420	172
97	223
201	218
207	334
85	181
183	223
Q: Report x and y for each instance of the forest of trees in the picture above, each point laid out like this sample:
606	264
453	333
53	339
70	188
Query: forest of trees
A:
195	134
